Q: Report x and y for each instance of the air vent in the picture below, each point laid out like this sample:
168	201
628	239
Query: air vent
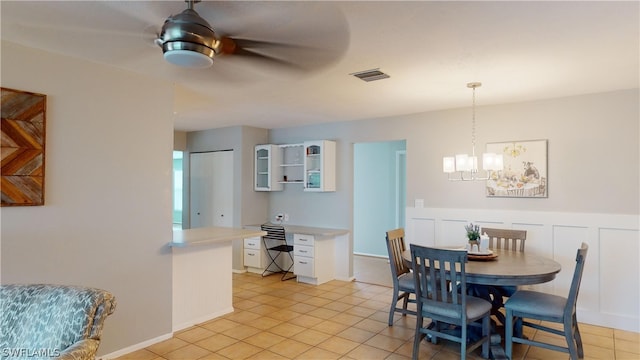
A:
370	75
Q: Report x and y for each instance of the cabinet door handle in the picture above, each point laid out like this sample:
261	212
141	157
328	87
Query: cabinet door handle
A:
303	262
251	254
303	251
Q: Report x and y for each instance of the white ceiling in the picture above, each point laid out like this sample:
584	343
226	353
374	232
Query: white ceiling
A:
520	51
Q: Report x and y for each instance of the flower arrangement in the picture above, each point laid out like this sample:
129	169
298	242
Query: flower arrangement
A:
473	232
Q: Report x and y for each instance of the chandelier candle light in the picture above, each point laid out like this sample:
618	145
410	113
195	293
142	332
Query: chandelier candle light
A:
467	166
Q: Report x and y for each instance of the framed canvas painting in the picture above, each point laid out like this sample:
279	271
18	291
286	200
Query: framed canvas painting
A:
23	140
525	170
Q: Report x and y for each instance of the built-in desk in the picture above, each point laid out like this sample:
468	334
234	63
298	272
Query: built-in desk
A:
320	254
202	273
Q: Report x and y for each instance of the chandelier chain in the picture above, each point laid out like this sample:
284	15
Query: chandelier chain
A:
473	122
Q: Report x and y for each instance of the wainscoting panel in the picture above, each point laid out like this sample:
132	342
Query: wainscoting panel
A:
615	261
610	290
566	241
426	228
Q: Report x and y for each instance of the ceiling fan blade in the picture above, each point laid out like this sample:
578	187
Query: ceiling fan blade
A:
248	44
307	36
250	54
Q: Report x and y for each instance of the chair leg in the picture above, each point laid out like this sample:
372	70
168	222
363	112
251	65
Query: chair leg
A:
392	309
517	328
508	333
463	343
417	338
437	327
486	333
288	270
578	338
569	335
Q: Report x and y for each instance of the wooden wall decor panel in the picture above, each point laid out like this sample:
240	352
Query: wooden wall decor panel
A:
22	146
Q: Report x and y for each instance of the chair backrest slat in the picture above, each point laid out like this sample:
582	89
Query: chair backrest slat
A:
274	232
395	248
507	239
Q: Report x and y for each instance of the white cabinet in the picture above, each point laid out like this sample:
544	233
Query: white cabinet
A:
320	165
292	164
313	259
267	169
254	255
312	163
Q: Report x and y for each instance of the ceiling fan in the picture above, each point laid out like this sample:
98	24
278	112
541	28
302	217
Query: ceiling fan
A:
188	40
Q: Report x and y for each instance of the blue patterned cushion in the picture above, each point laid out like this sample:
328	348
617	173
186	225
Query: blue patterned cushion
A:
47	319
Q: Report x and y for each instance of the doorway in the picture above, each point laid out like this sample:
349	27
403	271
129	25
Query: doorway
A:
379	203
379	194
177	189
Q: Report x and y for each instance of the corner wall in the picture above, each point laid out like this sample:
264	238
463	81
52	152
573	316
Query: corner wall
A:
107	214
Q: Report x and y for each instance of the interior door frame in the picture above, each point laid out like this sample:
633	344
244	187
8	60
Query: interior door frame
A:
400	201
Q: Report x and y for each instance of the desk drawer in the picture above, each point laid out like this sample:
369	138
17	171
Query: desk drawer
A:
303	250
303	266
253	243
252	258
302	239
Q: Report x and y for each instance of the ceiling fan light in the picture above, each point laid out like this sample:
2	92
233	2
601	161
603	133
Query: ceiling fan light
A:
188	58
188	54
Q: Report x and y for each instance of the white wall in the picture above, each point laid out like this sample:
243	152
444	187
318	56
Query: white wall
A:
179	141
107	214
594	155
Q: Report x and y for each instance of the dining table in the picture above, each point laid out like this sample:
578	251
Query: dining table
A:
500	267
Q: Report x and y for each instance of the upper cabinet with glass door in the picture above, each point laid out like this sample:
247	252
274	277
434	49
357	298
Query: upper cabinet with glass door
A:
320	165
267	171
292	164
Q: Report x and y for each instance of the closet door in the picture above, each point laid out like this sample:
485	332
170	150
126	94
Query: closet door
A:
211	182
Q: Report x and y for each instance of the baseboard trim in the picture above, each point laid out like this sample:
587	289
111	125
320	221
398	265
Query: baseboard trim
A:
135	347
372	255
202	319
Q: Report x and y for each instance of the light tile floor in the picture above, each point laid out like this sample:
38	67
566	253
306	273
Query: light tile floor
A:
276	319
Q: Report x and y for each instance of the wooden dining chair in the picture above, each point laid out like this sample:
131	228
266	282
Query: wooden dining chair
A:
403	284
435	269
507	239
525	304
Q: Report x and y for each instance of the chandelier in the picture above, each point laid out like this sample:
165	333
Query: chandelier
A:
466	166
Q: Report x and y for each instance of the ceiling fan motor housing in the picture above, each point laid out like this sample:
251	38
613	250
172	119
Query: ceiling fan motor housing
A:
188	40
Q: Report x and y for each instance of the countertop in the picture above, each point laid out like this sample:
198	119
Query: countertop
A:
308	230
211	235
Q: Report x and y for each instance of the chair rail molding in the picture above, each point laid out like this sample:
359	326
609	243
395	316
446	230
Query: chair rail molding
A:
612	267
